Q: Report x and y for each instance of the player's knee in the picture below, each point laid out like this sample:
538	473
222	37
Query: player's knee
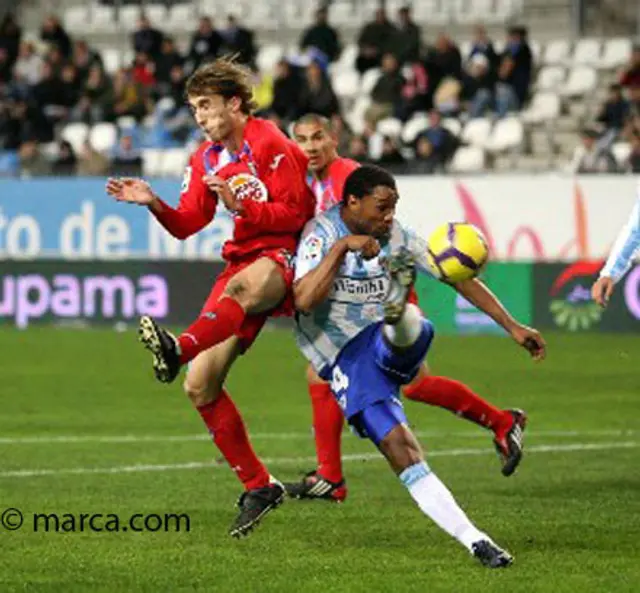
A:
239	290
201	393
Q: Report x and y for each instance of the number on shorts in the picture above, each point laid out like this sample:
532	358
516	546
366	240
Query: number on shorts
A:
339	381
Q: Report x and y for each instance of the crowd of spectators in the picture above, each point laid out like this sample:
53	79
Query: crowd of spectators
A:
48	82
618	120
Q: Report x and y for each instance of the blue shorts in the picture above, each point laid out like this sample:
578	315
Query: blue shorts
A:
368	372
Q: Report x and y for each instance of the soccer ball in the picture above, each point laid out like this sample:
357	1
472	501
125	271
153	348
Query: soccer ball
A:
456	251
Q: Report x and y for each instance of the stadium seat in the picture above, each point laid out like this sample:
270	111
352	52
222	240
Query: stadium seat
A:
340	13
128	16
152	161
390	126
268	57
587	52
75	134
550	78
581	80
621	151
477	131
507	134
437	12
465	49
181	18
468	159
536	50
346	83
111	60
418	123
103	136
369	79
173	162
76	18
347	59
355	118
51	150
453	125
556	52
157	14
103	18
616	53
544	106
126	122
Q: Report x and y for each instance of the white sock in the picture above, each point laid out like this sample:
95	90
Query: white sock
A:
407	330
435	501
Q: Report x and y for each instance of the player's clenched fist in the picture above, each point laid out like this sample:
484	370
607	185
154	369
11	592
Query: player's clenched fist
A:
602	290
367	246
134	191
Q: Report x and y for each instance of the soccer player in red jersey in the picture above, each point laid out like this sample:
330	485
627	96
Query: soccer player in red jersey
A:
259	176
326	177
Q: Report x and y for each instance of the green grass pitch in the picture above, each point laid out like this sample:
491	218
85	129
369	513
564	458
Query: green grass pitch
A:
571	515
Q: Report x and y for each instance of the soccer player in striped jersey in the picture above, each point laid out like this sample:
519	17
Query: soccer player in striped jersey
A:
326	176
620	258
355	269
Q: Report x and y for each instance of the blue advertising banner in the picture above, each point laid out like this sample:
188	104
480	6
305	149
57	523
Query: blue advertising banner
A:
74	219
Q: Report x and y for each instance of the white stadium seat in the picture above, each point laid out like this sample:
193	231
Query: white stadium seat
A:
507	134
128	16
468	159
111	60
347	59
621	151
418	123
103	136
453	125
103	18
465	49
616	53
390	126
581	81
76	18
75	134
181	18
157	14
174	161
152	161
550	78
544	106
126	122
556	52
369	80
477	131
587	52
346	83
536	50
355	118
268	57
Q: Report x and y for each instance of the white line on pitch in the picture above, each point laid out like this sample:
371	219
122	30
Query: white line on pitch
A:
125	469
284	436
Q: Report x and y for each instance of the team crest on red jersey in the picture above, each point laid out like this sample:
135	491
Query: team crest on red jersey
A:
248	187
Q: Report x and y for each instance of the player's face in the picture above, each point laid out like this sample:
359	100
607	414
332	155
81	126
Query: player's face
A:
374	213
214	115
317	143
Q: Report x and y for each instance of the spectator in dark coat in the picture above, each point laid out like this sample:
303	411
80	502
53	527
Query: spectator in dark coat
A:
322	36
238	39
10	35
53	32
168	58
514	73
317	96
482	45
206	44
146	39
375	39
408	39
287	87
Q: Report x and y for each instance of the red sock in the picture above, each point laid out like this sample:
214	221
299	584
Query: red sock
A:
327	428
459	399
211	328
230	436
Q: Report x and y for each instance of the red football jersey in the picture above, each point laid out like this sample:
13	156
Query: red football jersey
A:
328	192
268	174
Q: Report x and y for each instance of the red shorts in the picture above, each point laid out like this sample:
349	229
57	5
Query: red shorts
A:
254	323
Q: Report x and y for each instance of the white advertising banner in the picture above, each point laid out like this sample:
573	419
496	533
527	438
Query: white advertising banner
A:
525	217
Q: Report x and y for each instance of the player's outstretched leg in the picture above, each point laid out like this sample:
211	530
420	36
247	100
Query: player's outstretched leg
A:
507	425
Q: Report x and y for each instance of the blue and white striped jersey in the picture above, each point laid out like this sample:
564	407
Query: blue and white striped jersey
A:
360	286
626	245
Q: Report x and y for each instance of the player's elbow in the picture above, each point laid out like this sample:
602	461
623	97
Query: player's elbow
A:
303	298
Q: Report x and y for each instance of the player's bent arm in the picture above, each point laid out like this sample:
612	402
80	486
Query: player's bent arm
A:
479	295
314	287
625	246
195	210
